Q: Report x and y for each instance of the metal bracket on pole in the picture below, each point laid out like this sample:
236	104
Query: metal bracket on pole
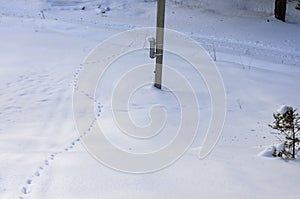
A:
152	48
153	53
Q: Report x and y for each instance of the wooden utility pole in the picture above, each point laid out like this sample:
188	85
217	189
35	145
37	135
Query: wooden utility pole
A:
161	4
280	9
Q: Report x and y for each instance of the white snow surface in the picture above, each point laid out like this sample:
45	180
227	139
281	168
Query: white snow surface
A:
44	42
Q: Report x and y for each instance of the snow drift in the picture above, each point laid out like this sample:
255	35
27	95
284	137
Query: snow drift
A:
224	6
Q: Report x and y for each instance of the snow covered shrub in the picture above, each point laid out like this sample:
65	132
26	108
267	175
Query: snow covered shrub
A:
287	123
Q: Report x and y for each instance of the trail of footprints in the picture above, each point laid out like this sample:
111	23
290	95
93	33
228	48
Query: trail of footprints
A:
47	162
26	189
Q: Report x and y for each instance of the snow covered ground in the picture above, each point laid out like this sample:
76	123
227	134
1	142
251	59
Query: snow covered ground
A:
44	42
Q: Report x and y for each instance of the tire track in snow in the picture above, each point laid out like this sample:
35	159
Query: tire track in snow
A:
46	163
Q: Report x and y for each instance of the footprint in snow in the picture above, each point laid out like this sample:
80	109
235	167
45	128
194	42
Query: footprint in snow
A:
25	190
29	181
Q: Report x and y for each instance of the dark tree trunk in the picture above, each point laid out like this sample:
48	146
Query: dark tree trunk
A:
294	141
280	9
298	5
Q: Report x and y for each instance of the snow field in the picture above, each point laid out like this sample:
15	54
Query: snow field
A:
41	153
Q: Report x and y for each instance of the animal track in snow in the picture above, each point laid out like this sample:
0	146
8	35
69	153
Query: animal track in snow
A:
48	161
37	173
25	190
29	181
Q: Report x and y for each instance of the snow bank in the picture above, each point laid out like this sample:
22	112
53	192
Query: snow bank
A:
266	6
67	2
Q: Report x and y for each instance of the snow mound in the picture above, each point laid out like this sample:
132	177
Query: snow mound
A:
283	109
270	151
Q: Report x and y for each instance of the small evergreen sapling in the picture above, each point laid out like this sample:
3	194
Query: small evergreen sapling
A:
287	123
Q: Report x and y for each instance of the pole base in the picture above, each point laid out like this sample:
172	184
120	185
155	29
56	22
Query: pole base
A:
157	86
